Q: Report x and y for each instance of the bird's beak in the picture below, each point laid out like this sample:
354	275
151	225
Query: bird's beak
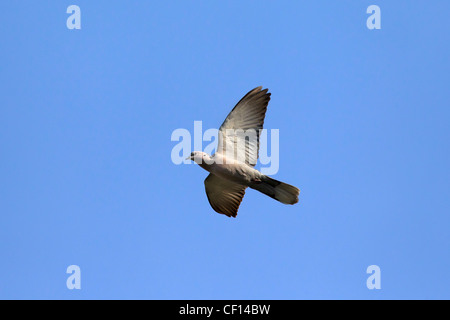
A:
189	158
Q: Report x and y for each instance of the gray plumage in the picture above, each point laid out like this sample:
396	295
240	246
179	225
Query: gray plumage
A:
231	167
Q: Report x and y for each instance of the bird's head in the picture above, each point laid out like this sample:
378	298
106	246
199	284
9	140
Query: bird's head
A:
199	157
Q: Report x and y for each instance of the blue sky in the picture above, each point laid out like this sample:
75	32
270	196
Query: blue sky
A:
86	118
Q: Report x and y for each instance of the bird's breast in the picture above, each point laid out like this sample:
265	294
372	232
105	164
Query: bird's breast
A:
238	172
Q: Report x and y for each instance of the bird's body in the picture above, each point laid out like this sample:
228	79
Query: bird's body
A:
231	169
232	166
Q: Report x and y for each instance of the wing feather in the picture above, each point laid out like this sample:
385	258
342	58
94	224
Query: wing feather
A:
239	133
224	196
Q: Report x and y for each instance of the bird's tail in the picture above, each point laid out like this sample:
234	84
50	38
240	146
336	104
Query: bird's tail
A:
283	192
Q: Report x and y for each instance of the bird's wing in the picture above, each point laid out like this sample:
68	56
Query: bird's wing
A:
224	196
248	114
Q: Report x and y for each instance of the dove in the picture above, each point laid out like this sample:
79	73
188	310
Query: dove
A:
231	167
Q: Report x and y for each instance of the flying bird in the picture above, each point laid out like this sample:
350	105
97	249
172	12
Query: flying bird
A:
231	167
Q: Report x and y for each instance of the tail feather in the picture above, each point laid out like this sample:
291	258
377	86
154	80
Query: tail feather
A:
283	192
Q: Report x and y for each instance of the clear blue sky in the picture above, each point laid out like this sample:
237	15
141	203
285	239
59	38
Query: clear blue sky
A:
86	118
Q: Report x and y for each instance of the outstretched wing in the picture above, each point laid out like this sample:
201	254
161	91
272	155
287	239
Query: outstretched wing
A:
224	196
239	133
